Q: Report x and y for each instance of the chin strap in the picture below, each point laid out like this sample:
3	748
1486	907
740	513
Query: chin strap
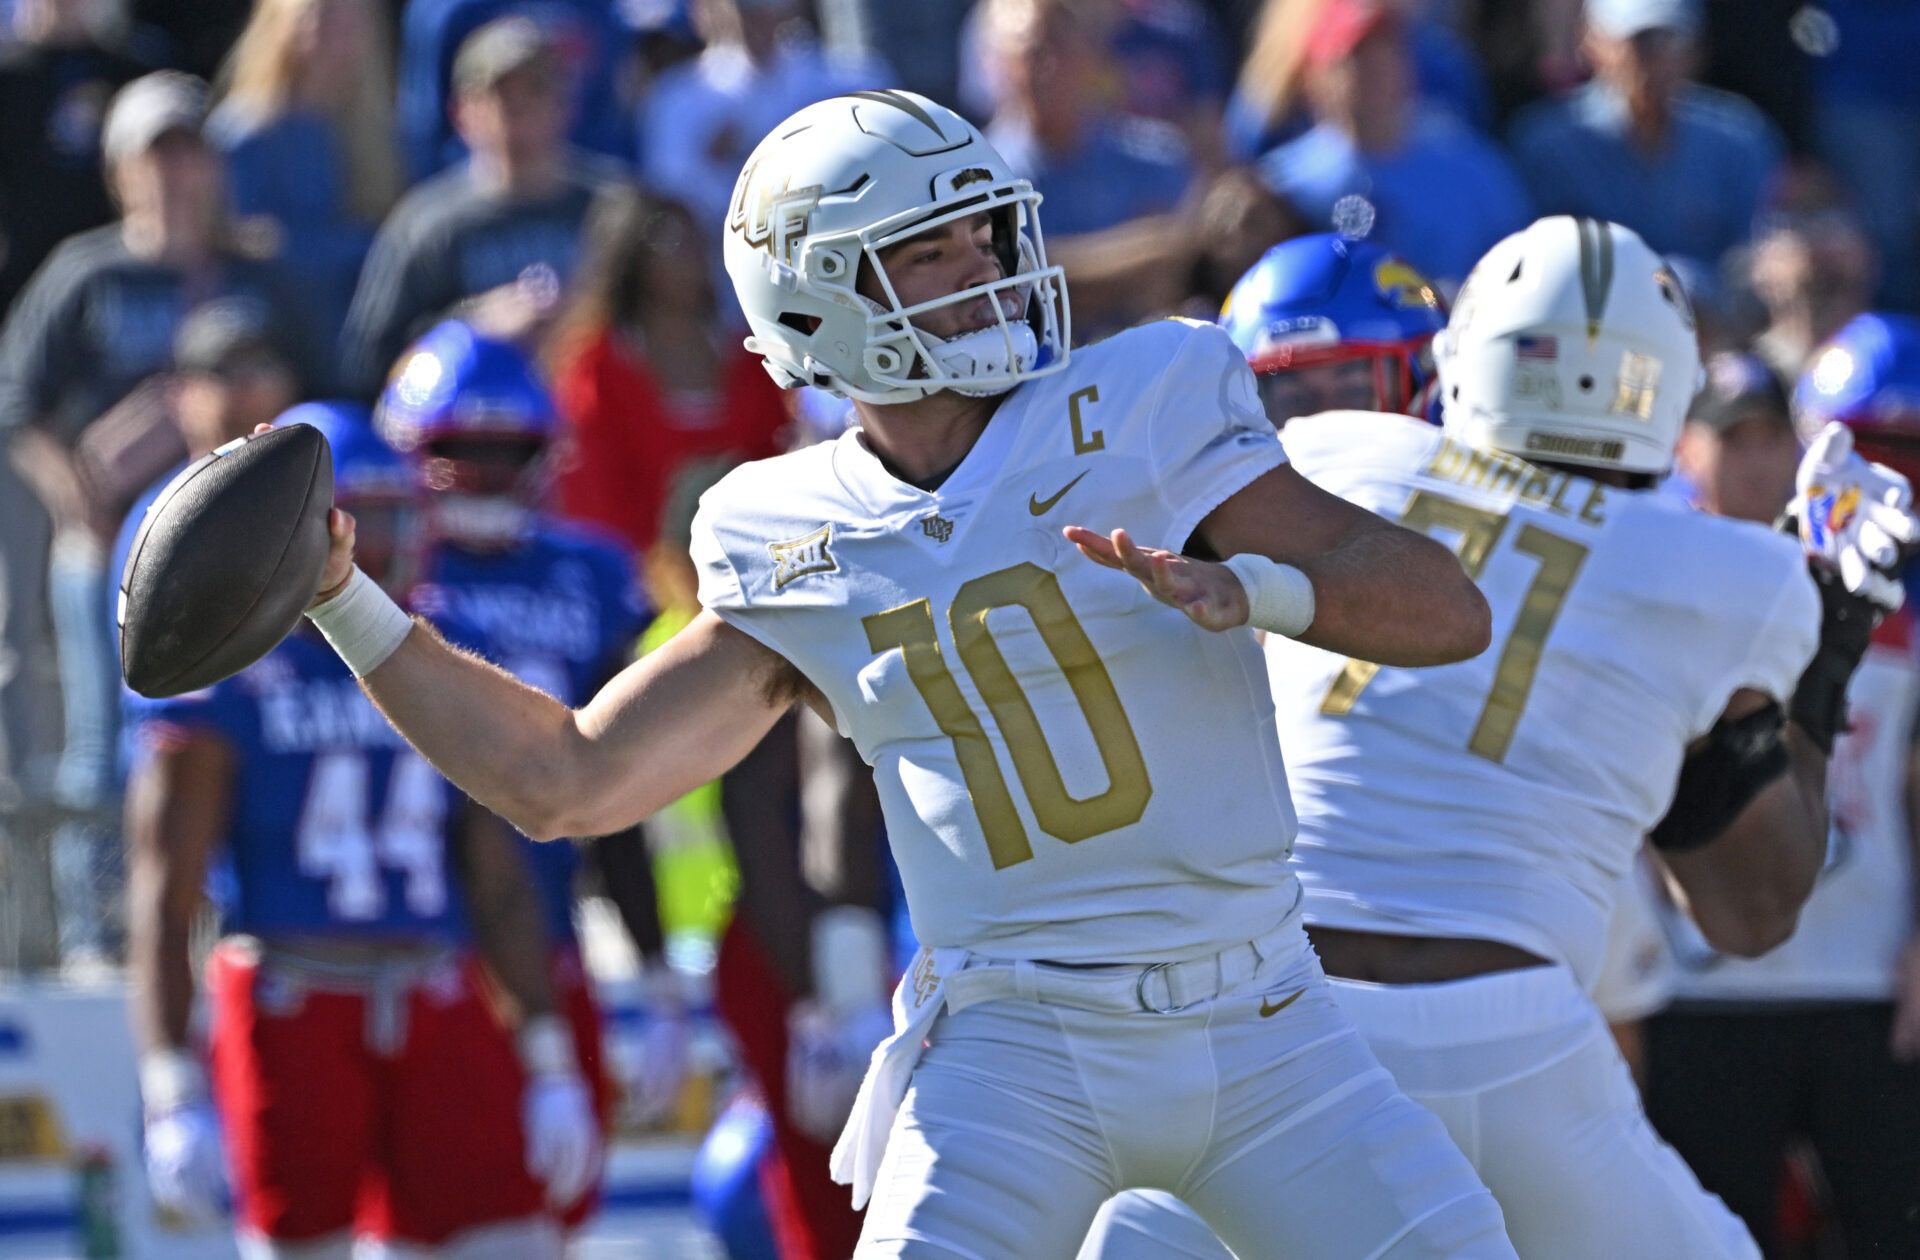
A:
986	352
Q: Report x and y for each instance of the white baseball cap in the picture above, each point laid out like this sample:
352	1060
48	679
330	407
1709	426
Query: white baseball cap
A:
1623	19
150	107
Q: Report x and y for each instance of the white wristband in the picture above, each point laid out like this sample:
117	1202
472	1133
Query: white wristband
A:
171	1079
362	623
1279	596
546	1047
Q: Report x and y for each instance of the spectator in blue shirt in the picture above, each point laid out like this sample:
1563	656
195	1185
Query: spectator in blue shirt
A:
1264	110
1685	166
1174	68
1867	127
57	73
1167	61
502	228
592	42
1379	163
704	116
1056	127
306	124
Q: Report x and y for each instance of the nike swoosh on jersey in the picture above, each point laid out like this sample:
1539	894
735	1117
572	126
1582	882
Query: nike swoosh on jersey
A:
1274	1008
1040	507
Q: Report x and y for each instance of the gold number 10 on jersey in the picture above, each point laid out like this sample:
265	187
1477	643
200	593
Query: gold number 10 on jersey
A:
1480	530
910	628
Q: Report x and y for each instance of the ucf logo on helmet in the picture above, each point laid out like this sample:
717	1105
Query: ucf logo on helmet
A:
768	213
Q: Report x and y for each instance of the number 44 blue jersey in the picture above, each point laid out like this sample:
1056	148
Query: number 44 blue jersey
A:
337	828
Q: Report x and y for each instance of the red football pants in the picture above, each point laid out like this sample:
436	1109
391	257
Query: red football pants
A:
811	1216
327	1129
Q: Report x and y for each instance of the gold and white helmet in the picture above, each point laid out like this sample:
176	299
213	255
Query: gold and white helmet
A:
1571	341
838	182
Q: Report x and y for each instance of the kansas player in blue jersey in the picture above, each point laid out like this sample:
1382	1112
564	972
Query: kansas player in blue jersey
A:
553	605
361	1074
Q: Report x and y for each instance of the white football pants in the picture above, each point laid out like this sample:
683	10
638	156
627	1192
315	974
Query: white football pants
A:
1280	1129
1520	1067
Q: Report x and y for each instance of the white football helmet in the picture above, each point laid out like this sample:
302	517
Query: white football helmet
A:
838	182
1572	342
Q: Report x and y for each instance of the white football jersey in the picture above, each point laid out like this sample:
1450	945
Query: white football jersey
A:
1069	769
1637	971
1503	797
1851	930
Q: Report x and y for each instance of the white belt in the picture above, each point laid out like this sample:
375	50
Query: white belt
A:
1156	989
958	978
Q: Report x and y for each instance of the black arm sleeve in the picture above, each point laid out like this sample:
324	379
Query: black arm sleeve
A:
1819	703
1741	756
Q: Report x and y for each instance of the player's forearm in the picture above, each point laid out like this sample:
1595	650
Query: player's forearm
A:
176	810
1389	595
774	903
158	960
511	747
665	725
1745	888
509	932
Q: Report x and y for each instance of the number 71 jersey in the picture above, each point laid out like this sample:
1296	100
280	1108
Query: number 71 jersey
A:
1502	797
1069	769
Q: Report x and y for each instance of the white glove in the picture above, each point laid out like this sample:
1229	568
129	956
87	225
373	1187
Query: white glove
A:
827	1056
654	1080
184	1168
1854	516
563	1135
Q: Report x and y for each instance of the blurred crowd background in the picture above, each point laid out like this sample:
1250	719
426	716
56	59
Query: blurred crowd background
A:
214	210
211	210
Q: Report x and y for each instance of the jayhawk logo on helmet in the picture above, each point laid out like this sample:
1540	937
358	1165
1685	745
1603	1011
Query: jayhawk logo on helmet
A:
1406	288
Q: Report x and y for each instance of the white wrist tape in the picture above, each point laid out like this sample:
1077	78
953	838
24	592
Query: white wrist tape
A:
546	1047
171	1079
1279	596
362	623
850	958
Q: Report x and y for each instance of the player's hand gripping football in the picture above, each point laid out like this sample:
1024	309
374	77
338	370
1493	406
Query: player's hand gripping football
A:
1854	517
339	556
1208	593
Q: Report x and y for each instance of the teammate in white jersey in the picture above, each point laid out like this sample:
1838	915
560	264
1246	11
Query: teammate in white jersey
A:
1082	786
1462	829
1818	1042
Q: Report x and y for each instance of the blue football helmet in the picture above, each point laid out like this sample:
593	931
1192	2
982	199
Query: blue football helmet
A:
373	482
1332	323
477	422
1868	377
